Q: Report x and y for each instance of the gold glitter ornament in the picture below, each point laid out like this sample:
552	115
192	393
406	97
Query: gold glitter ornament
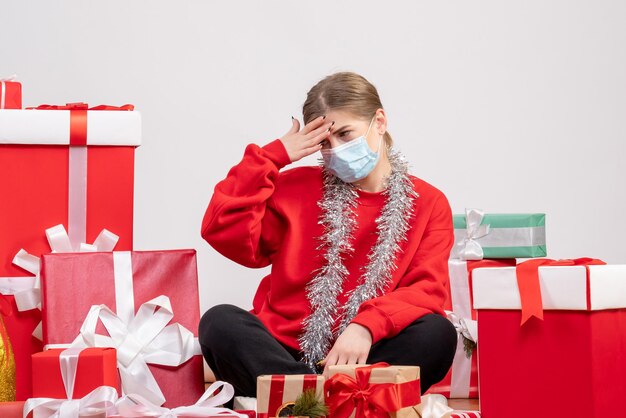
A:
7	366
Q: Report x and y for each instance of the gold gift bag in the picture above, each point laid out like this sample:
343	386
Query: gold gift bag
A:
7	361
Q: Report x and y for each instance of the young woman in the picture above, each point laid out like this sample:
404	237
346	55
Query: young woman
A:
358	249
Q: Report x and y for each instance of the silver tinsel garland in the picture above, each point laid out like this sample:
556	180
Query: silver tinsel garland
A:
338	218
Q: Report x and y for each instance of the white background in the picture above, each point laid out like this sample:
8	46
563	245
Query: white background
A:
509	106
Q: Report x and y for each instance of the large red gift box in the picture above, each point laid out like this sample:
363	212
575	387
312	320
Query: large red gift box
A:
95	367
46	181
571	363
10	94
462	378
128	283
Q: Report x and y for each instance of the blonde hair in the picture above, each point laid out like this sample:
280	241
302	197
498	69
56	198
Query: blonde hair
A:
346	91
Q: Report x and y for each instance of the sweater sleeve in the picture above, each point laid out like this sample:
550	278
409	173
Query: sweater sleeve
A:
422	288
240	222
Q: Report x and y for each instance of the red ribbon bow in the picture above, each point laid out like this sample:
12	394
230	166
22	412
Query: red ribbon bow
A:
78	118
81	106
368	400
528	282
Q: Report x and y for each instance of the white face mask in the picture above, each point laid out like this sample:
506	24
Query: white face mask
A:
354	160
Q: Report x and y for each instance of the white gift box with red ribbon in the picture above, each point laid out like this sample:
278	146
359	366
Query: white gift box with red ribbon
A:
558	329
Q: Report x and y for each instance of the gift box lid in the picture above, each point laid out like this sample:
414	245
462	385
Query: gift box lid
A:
562	287
504	220
397	374
52	127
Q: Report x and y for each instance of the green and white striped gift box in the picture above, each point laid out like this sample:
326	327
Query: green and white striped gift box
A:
478	235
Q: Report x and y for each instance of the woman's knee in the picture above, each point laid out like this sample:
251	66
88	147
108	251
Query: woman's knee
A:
442	342
216	323
441	331
432	331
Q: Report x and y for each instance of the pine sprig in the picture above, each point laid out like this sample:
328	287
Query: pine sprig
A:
309	405
469	347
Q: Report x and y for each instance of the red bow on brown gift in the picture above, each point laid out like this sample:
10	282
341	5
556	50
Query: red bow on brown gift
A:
368	400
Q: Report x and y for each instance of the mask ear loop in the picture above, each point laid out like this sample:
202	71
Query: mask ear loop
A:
380	141
381	137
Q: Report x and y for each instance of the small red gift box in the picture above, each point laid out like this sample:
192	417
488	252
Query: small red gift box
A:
465	414
10	94
571	363
142	288
12	409
274	391
47	179
462	378
95	367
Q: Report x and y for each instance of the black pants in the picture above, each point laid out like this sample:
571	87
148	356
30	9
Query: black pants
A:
238	348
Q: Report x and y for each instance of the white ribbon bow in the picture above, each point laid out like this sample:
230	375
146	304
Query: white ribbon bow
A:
434	406
134	405
146	339
27	290
9	78
469	248
101	400
466	327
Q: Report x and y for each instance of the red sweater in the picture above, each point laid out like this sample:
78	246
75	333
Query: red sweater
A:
258	216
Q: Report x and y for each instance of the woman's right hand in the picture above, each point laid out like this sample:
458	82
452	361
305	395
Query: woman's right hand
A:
301	143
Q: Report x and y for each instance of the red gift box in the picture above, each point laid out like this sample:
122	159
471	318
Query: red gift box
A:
11	409
47	182
124	282
10	94
572	362
462	378
95	367
465	414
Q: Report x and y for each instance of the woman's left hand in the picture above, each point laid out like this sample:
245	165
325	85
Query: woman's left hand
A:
352	347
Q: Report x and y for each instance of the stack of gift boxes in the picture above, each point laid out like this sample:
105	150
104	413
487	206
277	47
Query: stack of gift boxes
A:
537	337
71	285
481	241
89	327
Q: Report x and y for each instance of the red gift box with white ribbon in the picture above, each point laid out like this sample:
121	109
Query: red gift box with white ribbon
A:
552	340
462	378
465	414
73	373
70	166
143	303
